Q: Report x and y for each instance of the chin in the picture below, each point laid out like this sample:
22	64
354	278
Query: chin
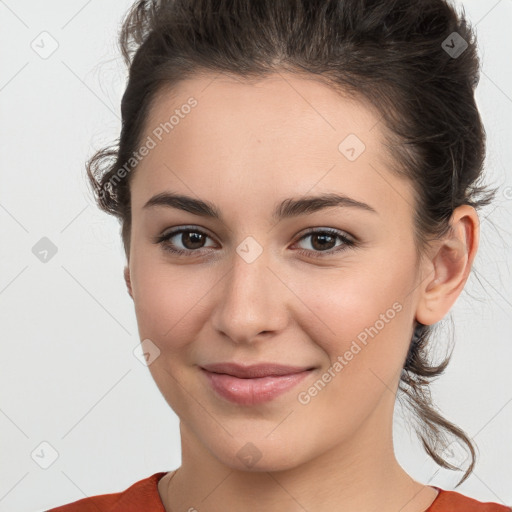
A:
259	455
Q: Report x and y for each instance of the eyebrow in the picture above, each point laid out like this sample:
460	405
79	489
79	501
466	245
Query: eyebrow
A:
287	208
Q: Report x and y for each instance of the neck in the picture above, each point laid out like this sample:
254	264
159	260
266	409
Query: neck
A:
361	473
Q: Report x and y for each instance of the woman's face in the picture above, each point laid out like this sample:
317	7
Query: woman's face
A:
262	282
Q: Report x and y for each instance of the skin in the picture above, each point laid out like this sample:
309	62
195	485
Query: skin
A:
245	147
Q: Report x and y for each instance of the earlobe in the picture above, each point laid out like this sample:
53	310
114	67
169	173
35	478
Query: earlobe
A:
127	280
450	267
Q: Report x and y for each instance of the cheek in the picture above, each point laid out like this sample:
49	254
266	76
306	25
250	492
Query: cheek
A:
168	301
361	322
167	306
354	304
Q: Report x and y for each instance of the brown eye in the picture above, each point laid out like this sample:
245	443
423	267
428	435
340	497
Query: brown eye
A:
323	242
192	240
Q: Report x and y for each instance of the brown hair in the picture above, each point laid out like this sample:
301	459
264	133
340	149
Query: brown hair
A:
393	53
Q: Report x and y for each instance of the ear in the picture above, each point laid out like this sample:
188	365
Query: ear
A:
128	281
449	269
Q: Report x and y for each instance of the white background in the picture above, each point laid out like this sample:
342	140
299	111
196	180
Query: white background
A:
68	374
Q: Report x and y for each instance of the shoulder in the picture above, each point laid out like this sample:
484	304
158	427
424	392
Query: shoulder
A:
451	501
142	495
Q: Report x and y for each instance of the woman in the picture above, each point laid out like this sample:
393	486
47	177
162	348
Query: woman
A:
297	184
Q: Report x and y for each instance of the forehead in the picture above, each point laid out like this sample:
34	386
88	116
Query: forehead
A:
298	106
292	134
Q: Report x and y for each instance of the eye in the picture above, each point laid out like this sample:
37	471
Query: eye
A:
323	240
191	239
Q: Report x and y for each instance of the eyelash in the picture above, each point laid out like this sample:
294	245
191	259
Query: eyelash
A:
347	243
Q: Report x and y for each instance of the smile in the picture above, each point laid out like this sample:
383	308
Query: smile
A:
255	384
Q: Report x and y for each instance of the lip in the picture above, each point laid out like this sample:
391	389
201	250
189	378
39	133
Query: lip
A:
254	370
255	384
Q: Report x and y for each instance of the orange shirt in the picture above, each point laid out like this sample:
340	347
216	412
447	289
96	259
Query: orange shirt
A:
143	496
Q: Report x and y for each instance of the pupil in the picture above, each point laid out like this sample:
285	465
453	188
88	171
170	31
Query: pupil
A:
322	237
188	238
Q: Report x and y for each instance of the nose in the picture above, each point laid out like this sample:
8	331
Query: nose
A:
251	300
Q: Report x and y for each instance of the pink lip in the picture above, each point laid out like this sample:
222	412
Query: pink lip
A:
251	385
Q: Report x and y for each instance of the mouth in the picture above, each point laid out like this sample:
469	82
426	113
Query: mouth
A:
255	384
